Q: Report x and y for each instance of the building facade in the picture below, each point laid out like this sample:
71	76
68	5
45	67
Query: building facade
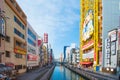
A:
90	33
2	31
32	48
111	42
67	54
13	28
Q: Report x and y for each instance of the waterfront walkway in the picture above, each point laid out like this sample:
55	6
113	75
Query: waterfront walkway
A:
92	75
47	74
34	75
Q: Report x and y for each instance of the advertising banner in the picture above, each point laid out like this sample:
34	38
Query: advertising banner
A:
18	51
31	57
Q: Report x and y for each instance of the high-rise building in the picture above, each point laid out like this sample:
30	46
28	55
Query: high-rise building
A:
68	54
91	33
65	47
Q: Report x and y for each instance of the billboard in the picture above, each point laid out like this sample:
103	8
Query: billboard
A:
31	57
88	25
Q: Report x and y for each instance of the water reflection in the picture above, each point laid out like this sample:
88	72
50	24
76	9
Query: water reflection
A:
62	73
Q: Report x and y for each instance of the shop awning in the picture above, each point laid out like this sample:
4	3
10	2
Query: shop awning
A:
86	63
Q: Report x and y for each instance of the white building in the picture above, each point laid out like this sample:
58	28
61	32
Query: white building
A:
32	48
67	53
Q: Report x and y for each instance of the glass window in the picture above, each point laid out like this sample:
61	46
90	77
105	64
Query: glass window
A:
7	54
31	42
31	34
7	38
22	45
18	55
18	33
19	23
31	50
2	26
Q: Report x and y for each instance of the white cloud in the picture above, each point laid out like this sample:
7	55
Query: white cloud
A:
56	17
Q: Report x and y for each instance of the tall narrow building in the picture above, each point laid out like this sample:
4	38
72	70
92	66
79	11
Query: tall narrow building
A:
32	48
91	33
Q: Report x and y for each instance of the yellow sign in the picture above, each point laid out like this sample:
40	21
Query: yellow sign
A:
19	51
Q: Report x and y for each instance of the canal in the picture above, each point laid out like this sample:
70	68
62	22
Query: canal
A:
62	73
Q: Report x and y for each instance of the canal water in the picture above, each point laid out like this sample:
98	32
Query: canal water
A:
62	73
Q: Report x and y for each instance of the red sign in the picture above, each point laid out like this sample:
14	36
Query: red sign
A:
90	43
45	38
39	42
31	57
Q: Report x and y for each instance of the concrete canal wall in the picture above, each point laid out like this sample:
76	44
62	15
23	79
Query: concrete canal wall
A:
48	74
92	75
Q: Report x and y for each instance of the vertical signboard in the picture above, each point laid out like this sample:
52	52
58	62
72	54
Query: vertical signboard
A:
107	52
45	38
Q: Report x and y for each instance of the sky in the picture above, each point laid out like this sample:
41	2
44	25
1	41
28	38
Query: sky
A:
59	18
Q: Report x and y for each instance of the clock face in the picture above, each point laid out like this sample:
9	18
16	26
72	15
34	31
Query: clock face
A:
88	26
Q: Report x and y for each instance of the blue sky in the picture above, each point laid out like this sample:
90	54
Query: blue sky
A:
59	18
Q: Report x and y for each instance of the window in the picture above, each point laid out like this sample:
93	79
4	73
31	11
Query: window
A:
19	23
2	26
18	33
31	50
18	43
31	34
7	54
7	38
17	67
11	1
18	55
31	42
